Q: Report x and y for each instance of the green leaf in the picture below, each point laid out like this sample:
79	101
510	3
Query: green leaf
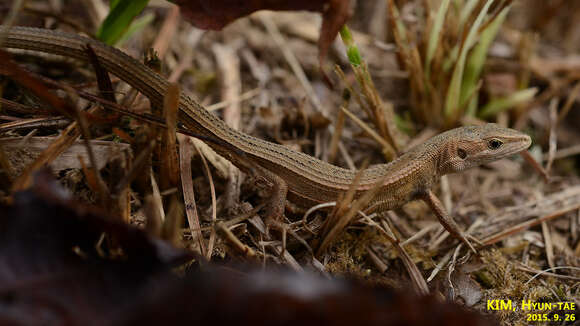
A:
454	91
477	60
137	25
119	18
501	104
435	35
354	56
352	52
346	36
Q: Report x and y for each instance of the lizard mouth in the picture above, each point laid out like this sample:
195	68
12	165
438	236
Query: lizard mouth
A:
521	142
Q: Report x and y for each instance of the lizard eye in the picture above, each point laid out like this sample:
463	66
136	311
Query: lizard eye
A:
494	144
461	153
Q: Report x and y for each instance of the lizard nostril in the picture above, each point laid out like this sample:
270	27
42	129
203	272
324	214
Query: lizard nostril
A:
528	141
461	153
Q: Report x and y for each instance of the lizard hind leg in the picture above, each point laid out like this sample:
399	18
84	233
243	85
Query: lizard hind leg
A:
276	204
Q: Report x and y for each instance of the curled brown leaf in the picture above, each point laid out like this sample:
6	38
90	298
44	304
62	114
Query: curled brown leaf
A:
215	14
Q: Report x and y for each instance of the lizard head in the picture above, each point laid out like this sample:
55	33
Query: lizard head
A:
466	147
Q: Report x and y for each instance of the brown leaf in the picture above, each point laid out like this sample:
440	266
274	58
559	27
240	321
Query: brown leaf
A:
56	270
224	296
215	14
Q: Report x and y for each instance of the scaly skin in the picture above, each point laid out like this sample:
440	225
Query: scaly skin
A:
307	179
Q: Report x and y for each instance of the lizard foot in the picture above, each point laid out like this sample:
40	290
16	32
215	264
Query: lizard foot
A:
279	226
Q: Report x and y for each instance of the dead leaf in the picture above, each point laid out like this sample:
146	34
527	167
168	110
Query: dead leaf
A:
57	267
225	296
56	270
215	14
22	151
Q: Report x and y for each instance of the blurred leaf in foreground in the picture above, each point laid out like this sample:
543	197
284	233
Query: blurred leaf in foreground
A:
215	14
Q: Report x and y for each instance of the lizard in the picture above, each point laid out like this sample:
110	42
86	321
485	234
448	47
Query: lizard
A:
302	179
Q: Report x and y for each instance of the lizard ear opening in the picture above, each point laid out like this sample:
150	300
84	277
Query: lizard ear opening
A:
461	153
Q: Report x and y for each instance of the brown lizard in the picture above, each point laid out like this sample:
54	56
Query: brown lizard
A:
304	178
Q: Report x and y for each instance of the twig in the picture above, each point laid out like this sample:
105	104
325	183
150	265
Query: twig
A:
419	234
346	156
167	32
552	143
386	146
548	243
185	155
541	171
338	127
229	67
291	59
11	18
213	202
379	263
547	272
569	102
235	241
193	37
244	97
564	152
526	225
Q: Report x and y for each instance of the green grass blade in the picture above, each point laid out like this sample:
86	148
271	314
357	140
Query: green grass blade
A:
501	104
120	17
477	60
401	29
352	51
137	25
454	91
435	35
466	11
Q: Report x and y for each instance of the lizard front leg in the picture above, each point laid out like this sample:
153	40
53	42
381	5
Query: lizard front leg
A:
444	218
277	187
